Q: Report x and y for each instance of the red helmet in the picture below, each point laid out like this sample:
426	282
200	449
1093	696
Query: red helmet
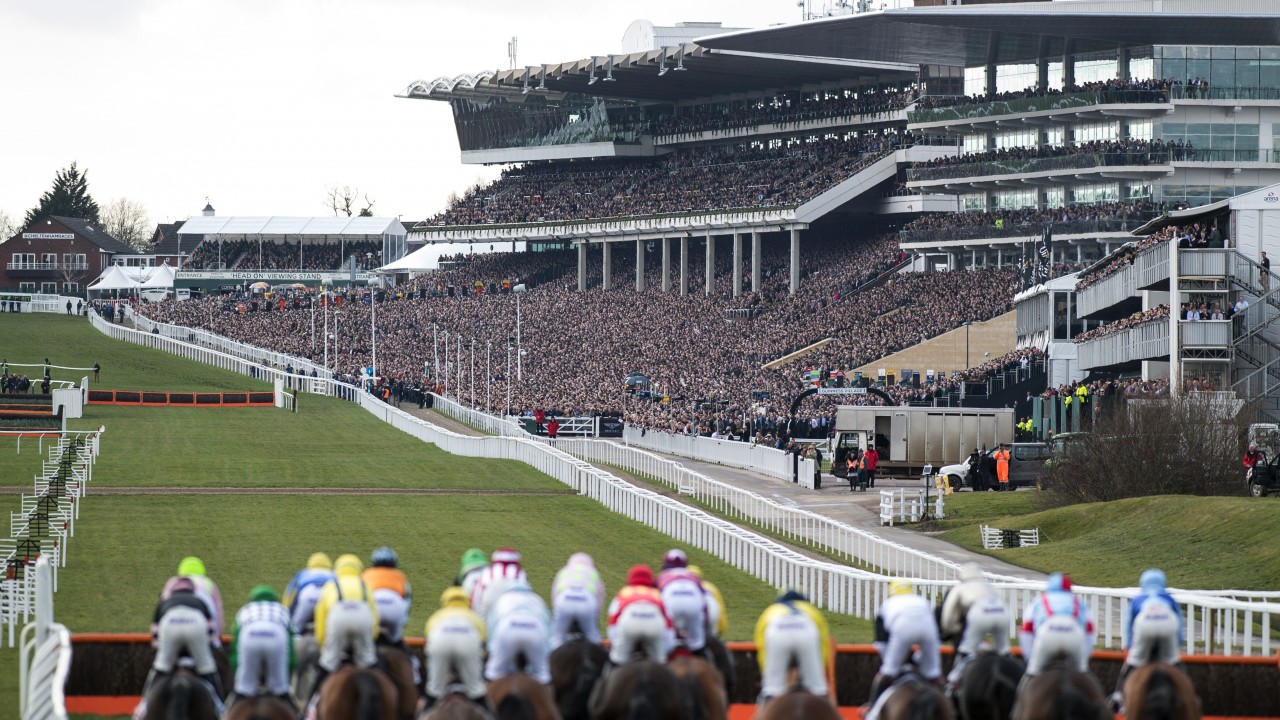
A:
640	575
675	559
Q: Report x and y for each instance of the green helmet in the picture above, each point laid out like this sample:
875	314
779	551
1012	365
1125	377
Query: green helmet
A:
263	593
471	560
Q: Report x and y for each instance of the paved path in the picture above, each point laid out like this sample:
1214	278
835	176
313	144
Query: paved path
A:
860	510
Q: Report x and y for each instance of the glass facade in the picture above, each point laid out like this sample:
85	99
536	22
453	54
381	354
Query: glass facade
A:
1251	71
1013	199
1239	137
1094	193
535	120
1193	195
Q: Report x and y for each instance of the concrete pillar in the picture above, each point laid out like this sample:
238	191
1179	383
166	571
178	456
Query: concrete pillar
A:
711	264
607	283
1042	64
1079	253
795	260
666	264
973	259
1068	62
993	52
755	262
999	258
684	264
582	266
737	264
1122	63
639	266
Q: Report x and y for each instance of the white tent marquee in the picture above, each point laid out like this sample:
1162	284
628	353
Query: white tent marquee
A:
160	277
421	260
114	278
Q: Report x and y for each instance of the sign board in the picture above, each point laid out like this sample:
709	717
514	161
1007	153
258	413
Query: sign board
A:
48	236
843	391
267	275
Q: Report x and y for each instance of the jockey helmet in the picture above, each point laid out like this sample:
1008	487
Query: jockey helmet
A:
319	561
454	596
971	571
1058	582
792	595
505	556
263	593
191	566
473	559
182	584
348	564
1152	581
898	586
581	558
675	559
640	575
384	557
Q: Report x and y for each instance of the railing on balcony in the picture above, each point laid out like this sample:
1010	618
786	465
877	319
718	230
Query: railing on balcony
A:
1151	266
1185	92
1111	290
1068	227
1083	161
1147	341
46	266
1211	263
1037	103
1205	333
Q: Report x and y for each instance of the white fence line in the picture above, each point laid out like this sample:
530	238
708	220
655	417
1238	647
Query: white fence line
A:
45	657
746	456
1223	625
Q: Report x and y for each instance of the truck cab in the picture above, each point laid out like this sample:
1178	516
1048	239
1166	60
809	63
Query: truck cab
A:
846	444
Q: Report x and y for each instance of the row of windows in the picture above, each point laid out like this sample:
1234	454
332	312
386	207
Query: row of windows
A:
49	288
1213	136
68	259
1058	196
1058	136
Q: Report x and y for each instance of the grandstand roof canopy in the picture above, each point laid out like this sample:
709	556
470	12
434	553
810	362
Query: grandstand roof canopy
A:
973	35
276	225
657	75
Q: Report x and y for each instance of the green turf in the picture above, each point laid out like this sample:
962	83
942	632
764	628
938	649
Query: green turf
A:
1200	542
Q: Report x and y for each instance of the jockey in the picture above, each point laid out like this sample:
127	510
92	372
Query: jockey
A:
1152	630
791	631
346	619
638	621
577	594
182	623
303	592
474	561
685	601
519	625
717	618
971	611
206	589
503	573
391	593
262	646
905	619
1056	623
455	645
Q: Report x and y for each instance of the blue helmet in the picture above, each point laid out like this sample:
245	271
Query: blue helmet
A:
1152	581
384	557
1058	582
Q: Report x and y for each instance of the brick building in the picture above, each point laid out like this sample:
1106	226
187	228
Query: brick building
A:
58	255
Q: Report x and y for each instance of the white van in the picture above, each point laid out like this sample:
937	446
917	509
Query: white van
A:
153	294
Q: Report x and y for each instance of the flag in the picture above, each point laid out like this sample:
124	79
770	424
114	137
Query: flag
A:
1046	254
1023	275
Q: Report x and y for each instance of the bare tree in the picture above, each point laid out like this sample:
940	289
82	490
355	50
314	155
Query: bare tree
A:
127	221
7	226
344	201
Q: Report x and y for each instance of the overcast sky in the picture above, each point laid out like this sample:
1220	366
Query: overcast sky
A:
259	105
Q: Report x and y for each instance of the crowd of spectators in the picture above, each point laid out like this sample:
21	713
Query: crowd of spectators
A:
1129	151
717	177
1112	216
250	254
1130	90
781	111
1195	235
1159	312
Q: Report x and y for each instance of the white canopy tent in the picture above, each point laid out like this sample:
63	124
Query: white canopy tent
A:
112	279
387	232
160	277
421	260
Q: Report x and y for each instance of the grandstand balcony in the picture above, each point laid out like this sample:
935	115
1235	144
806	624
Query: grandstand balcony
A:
1119	227
791	127
40	269
976	176
1064	108
1127	348
1119	294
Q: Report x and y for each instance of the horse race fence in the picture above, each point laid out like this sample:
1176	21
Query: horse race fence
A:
44	660
1228	622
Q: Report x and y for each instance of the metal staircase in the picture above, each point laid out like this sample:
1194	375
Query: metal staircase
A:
1256	341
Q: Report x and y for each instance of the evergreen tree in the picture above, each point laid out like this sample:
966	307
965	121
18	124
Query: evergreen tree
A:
69	197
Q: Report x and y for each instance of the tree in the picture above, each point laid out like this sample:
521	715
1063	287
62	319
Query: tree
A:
69	197
127	221
343	201
7	226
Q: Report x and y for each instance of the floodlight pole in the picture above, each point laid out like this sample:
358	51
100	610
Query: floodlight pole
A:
313	328
324	303
488	376
373	332
445	369
507	378
519	347
435	354
473	371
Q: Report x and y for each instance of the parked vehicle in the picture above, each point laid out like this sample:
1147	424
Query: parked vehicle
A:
1026	462
1264	477
910	438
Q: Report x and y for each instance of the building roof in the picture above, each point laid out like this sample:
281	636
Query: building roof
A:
668	74
962	35
278	225
167	240
95	234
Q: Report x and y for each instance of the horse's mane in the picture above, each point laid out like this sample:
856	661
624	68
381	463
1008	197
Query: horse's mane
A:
925	706
641	706
515	706
368	695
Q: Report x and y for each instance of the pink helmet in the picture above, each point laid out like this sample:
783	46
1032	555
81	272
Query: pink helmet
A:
675	559
581	558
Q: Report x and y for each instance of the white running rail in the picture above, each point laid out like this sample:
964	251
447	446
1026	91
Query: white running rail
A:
45	657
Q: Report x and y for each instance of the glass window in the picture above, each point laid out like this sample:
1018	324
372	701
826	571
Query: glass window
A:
975	201
1137	190
49	288
49	258
1054	197
975	81
27	287
1054	136
1140	129
976	143
70	288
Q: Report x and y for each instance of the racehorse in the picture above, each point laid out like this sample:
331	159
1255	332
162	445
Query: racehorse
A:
308	654
396	663
181	696
913	698
1061	692
575	667
456	706
351	693
1159	691
638	690
989	687
702	687
519	697
799	704
723	661
264	707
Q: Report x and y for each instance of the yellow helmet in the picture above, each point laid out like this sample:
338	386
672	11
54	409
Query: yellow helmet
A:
695	570
348	564
898	586
319	561
454	596
191	566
